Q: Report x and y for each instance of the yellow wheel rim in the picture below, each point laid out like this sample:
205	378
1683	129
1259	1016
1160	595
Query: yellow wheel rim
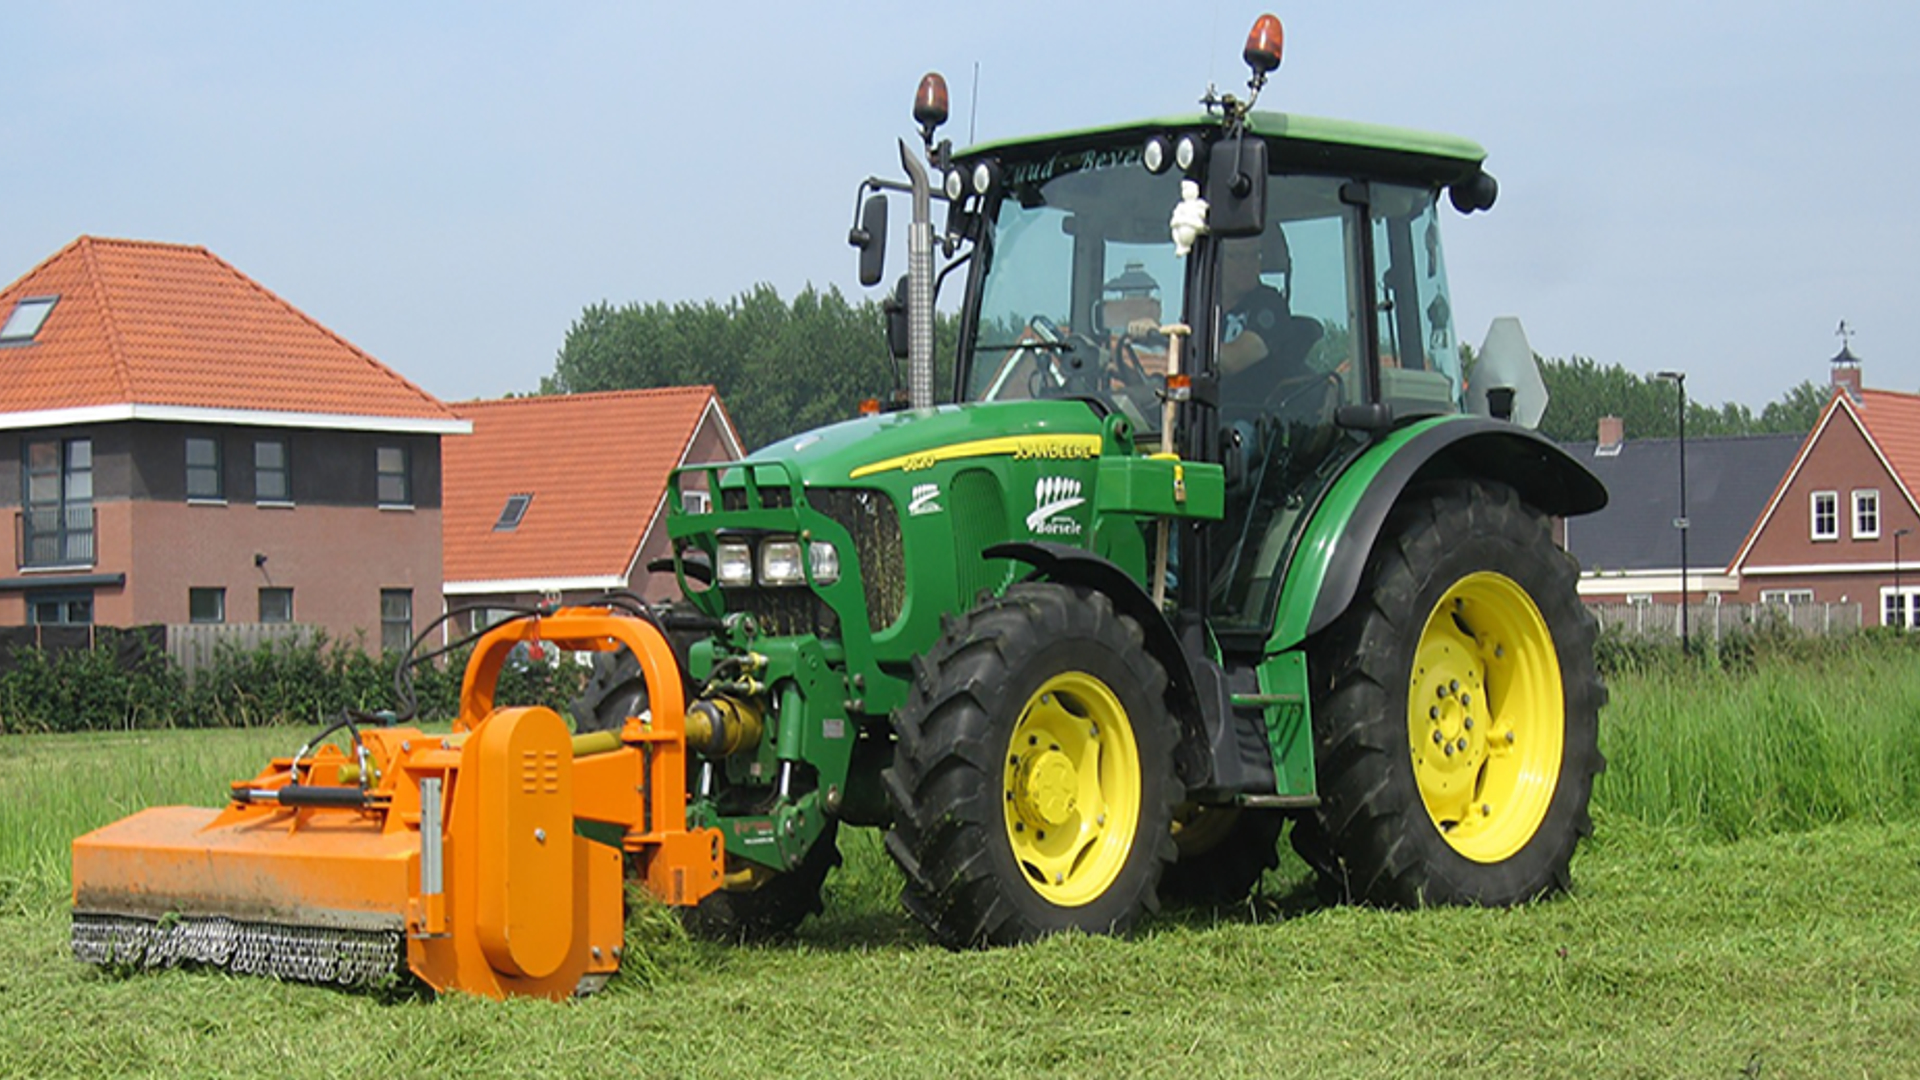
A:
1486	717
1072	789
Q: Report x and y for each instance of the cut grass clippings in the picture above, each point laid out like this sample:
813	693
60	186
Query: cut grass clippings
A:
1746	907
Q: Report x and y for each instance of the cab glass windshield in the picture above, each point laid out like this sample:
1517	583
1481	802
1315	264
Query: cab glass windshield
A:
1080	273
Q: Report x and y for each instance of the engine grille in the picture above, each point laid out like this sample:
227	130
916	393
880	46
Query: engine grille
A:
869	517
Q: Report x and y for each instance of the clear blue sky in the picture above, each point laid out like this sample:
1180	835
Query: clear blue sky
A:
1706	186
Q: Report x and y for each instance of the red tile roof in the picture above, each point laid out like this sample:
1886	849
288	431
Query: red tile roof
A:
595	464
1893	422
167	326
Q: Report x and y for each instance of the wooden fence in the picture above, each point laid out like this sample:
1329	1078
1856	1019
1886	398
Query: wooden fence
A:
194	645
1708	621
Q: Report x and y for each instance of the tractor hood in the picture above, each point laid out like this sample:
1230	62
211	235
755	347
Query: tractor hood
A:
858	452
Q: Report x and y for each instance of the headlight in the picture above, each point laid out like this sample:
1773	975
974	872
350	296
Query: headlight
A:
824	559
780	563
735	564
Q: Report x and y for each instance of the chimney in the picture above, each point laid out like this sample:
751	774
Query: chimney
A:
1613	432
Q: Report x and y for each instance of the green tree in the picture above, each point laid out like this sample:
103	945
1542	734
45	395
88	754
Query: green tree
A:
1581	391
780	368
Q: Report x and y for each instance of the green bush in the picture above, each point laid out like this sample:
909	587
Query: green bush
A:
287	682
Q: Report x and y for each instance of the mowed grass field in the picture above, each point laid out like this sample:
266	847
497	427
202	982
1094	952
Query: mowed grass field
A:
1750	906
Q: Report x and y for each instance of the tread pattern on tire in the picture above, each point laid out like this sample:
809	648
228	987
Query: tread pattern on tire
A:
945	783
1371	840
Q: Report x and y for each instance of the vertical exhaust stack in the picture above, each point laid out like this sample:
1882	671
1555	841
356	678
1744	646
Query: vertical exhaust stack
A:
919	285
930	111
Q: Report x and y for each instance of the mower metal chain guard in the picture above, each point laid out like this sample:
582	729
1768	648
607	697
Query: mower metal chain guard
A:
296	953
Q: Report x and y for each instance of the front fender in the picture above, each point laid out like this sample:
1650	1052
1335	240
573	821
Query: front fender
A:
1324	572
1070	565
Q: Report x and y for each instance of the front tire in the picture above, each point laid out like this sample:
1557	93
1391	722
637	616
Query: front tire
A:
1456	726
1033	783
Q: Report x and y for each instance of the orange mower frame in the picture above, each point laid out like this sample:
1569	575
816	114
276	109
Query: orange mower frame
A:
464	845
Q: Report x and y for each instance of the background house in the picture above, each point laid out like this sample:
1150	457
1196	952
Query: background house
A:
1844	509
1630	551
563	496
1825	520
189	447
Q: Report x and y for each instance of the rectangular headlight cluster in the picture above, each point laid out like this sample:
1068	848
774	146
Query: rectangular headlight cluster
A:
779	562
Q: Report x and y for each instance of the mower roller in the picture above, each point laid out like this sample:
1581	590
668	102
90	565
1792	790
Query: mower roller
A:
456	852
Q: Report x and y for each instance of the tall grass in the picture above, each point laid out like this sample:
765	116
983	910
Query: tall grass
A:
1785	738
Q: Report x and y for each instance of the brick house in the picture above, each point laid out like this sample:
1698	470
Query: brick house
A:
564	496
189	447
1844	508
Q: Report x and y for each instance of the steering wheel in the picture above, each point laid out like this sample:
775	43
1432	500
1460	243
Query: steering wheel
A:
1067	372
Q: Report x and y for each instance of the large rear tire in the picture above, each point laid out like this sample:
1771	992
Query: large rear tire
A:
1456	714
1033	783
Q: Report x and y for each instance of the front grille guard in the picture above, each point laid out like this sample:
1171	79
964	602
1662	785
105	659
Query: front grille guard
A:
755	500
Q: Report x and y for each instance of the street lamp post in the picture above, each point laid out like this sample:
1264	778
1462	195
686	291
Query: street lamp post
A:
1679	380
1899	601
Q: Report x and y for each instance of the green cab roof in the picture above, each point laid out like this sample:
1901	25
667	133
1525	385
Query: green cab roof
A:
1444	150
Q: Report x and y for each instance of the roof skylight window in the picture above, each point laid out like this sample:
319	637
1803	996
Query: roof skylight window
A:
27	317
511	514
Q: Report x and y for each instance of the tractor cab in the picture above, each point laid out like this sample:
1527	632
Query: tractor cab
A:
1088	249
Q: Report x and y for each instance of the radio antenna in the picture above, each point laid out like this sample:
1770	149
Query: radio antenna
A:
973	102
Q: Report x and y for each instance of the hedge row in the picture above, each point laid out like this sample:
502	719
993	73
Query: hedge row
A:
99	689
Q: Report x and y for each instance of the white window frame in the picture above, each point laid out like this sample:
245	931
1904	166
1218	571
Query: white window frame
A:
1908	599
1866	514
1789	597
1832	500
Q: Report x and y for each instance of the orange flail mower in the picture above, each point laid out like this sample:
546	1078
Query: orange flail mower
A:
458	852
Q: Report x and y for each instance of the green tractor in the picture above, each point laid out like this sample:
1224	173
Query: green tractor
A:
1210	537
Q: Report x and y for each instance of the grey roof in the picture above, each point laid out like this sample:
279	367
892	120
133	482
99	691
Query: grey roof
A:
1729	480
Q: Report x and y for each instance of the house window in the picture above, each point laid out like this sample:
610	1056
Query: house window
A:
1788	597
270	472
395	485
60	608
1826	515
511	513
276	605
26	319
1898	608
203	469
1866	515
695	502
57	523
396	619
207	605
485	618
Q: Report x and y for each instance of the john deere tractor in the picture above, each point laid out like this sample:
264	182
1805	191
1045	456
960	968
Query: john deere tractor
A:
1209	534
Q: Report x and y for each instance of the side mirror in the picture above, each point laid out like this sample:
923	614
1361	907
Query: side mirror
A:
1237	187
895	309
871	238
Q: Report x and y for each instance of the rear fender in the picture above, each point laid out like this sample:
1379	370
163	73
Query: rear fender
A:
1324	572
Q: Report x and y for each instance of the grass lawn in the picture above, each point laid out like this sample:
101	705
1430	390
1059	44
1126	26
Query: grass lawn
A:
1749	906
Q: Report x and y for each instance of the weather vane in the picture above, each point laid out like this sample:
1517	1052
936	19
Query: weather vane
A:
1844	333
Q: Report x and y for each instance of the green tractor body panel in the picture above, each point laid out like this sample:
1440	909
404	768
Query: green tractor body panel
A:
909	502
